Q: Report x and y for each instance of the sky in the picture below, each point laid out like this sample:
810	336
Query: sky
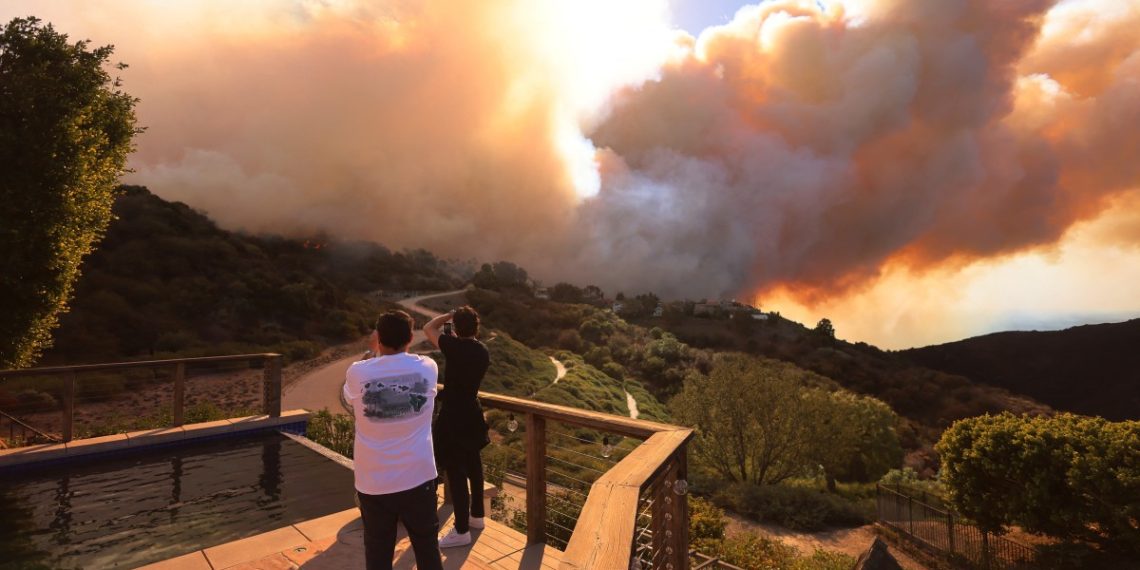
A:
917	171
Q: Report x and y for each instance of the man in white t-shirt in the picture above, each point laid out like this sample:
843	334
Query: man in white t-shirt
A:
392	397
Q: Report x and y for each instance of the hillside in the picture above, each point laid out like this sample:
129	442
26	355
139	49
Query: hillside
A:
659	353
1091	369
166	280
930	398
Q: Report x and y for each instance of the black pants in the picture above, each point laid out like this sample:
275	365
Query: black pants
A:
465	467
416	509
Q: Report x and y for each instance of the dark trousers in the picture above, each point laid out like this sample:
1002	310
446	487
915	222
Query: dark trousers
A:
465	467
416	509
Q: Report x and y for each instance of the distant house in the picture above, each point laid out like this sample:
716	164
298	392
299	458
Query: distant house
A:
617	306
658	312
706	309
760	316
542	293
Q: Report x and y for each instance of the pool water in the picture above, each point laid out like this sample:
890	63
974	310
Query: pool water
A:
129	510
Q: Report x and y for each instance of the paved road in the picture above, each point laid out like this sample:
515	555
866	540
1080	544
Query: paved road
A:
321	387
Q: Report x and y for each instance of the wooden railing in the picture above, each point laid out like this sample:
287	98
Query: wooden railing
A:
652	475
271	383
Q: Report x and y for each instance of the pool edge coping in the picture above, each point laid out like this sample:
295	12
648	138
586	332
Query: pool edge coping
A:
28	455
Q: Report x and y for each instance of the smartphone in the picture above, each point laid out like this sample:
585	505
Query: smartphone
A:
448	329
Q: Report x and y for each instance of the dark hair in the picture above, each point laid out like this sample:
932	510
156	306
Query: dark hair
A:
394	329
466	321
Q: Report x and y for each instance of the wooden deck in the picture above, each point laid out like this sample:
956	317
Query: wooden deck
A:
336	542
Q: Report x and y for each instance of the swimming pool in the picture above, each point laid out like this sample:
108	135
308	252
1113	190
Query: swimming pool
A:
128	510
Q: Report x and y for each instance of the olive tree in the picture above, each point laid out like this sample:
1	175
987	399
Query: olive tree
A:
65	133
752	422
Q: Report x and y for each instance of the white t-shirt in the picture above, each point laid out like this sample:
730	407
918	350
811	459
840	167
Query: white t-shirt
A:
392	398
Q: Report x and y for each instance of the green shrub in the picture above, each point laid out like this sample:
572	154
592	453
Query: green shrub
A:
298	350
334	431
706	520
796	508
754	552
30	401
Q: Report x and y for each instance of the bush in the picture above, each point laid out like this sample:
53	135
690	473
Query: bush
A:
706	520
908	478
796	508
299	350
334	431
569	339
754	552
30	401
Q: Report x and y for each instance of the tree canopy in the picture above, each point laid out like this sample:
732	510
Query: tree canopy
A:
762	421
1068	476
65	133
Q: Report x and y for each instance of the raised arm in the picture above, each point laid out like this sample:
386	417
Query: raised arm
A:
434	327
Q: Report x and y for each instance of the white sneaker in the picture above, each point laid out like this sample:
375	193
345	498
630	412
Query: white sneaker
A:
453	538
476	522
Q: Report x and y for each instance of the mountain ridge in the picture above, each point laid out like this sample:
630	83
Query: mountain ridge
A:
1087	369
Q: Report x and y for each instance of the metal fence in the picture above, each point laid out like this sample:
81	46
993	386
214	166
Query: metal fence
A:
944	531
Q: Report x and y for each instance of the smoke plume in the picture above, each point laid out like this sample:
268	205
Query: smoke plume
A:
805	149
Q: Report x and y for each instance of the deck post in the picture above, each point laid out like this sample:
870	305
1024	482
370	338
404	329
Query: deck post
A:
272	386
68	427
680	526
179	393
535	478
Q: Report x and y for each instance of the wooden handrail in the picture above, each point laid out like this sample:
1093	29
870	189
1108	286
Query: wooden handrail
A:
271	384
603	535
640	429
13	373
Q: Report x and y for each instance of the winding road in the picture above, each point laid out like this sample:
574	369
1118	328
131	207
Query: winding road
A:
321	387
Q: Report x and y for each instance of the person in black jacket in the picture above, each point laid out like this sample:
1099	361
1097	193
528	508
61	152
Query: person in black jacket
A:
460	431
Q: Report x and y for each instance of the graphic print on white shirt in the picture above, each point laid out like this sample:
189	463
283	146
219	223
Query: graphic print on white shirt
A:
394	397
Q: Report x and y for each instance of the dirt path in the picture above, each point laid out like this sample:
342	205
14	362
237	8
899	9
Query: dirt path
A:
559	369
632	405
851	541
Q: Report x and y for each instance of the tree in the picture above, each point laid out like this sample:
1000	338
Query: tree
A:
566	293
485	278
854	437
752	423
1068	476
510	275
65	132
825	329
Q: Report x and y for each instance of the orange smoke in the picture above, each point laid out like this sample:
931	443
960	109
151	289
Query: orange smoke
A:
807	148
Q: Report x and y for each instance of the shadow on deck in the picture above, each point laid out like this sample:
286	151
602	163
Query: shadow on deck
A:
336	542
